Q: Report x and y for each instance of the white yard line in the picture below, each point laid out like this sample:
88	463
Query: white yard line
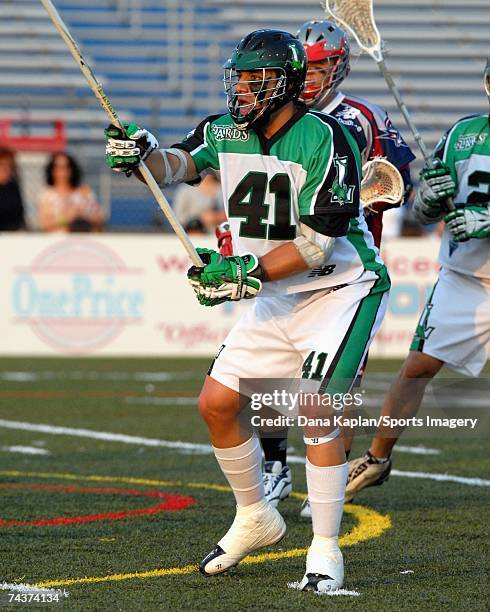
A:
105	435
191	447
164	376
376	401
417	450
25	450
19	376
162	401
29	588
475	482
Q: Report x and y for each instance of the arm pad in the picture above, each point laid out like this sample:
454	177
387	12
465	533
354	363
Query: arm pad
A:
171	176
313	247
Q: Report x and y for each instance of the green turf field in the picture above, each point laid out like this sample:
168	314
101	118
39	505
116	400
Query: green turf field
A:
121	526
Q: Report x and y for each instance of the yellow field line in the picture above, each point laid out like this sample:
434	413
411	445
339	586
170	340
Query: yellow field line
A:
124	479
370	524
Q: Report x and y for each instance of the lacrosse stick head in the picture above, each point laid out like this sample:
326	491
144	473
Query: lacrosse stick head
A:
357	17
328	50
381	182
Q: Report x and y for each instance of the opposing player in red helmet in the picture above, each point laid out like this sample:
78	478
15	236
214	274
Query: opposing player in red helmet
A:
328	50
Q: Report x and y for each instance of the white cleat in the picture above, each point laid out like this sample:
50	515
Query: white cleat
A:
366	471
305	511
254	527
324	568
277	482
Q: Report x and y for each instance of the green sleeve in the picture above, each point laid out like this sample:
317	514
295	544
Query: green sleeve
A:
444	152
201	145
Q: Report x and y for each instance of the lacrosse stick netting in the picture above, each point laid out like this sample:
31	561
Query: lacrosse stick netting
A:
381	182
357	17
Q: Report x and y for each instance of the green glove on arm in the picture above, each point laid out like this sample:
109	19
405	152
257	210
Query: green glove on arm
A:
225	279
125	151
469	222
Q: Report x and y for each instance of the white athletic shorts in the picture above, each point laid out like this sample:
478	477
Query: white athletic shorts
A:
321	335
455	324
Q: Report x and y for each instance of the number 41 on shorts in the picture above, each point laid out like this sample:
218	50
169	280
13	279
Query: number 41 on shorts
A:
314	365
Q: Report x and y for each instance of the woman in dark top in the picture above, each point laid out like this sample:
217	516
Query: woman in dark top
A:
11	207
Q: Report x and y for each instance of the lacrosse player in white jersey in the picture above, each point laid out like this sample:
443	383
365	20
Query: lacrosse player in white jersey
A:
290	181
454	328
328	50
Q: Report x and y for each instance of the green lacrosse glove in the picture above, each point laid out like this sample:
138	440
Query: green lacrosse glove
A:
469	222
225	279
125	151
436	185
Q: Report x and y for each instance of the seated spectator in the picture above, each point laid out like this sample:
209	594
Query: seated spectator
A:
199	209
11	207
67	205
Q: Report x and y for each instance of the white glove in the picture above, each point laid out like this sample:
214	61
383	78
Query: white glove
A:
469	222
125	151
436	185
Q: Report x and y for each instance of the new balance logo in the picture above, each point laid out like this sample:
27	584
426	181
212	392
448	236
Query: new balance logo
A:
323	271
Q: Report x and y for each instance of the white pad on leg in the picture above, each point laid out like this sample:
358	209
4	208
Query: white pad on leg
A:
326	491
242	466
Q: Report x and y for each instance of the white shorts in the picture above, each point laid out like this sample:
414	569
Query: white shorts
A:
455	324
321	335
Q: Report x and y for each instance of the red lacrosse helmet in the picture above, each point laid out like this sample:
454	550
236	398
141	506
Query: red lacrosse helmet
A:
328	51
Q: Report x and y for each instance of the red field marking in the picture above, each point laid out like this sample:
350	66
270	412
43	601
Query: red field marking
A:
172	502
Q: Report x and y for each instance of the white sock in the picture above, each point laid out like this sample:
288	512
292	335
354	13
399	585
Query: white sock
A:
326	491
242	466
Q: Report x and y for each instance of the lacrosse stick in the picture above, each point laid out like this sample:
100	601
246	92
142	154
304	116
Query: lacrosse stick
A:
381	182
96	87
357	17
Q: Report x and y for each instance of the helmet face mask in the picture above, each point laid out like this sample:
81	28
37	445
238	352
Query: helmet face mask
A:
251	93
266	71
328	51
321	79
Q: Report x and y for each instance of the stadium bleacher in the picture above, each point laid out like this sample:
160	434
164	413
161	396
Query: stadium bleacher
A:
160	63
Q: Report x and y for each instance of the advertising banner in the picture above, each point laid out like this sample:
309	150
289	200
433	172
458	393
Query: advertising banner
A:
127	295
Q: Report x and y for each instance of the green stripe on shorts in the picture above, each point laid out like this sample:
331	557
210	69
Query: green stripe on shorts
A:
344	367
423	329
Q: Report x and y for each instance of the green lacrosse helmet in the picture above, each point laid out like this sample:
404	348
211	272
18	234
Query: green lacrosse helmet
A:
260	51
